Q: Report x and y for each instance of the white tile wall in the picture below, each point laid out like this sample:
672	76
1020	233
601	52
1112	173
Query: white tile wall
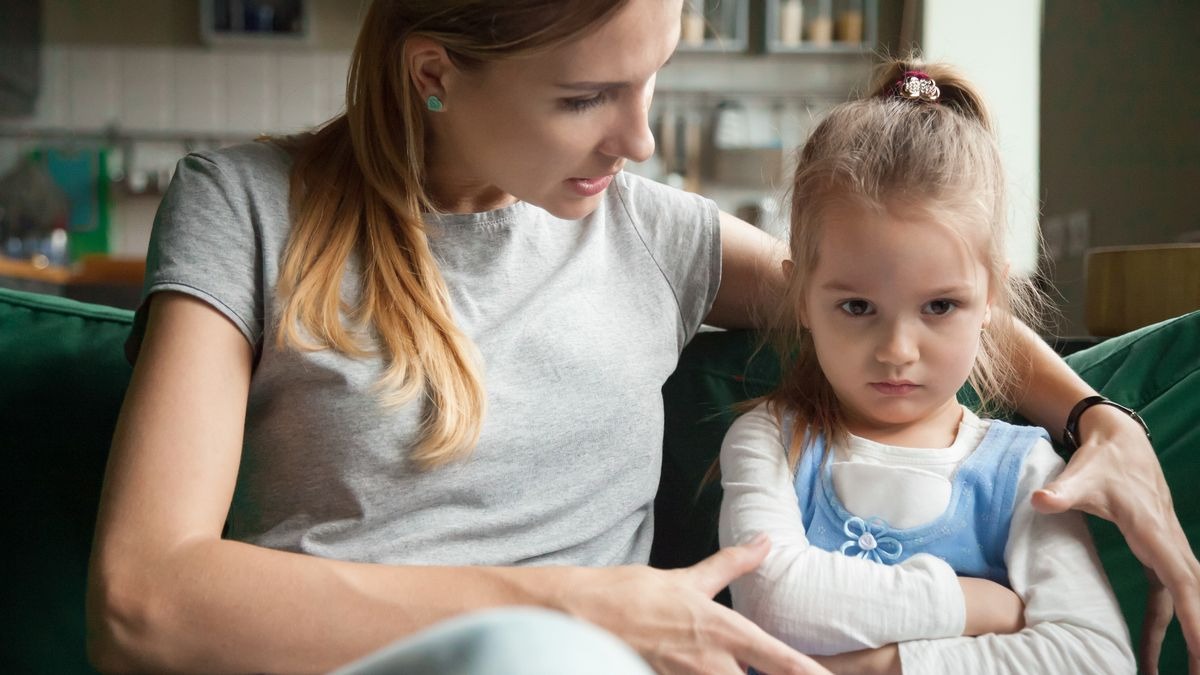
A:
94	86
232	93
147	100
300	91
199	91
251	98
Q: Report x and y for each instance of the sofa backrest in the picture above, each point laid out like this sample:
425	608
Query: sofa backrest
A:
63	376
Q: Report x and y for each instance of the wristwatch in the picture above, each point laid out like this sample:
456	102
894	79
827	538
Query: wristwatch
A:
1071	431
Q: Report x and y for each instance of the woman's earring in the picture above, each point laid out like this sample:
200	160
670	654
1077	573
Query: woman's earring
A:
434	103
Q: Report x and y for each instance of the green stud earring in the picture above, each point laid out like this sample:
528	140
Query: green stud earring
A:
434	103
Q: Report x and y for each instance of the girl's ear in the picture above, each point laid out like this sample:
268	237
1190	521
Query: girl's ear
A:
1003	280
788	268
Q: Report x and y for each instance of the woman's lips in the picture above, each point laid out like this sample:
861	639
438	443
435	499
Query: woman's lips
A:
895	388
589	187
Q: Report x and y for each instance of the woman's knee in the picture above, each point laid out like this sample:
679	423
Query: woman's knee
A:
524	641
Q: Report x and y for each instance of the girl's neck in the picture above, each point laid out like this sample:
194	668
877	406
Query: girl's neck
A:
938	429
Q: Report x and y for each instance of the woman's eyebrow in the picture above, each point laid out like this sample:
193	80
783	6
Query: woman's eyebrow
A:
602	86
592	86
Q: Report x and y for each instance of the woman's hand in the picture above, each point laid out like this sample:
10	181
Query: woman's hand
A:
669	616
1115	475
883	660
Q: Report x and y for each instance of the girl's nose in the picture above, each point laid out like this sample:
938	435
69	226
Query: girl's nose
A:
897	346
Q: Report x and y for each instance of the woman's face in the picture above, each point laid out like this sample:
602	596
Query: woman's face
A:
552	129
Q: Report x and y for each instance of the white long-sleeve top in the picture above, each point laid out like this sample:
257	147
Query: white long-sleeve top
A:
823	602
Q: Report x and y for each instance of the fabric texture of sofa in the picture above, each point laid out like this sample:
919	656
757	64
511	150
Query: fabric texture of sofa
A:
63	375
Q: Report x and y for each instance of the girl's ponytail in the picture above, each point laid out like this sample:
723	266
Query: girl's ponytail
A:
954	89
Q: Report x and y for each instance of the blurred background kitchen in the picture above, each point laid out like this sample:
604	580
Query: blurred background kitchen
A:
1098	106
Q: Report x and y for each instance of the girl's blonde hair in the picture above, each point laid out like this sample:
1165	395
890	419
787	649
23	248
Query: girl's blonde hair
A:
884	152
358	186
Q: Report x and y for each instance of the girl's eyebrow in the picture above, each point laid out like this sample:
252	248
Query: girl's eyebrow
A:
837	285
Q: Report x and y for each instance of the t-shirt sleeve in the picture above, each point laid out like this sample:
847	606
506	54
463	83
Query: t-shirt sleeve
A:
682	233
205	244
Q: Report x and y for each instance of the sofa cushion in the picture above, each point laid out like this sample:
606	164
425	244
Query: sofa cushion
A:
1155	370
62	377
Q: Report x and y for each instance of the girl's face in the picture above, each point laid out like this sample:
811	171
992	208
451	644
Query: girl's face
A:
895	305
553	129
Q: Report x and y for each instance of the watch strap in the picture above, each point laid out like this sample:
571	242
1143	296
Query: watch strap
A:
1071	430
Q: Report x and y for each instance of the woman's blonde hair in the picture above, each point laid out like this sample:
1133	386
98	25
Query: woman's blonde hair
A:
358	185
884	152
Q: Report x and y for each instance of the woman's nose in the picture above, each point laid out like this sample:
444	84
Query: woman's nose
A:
630	135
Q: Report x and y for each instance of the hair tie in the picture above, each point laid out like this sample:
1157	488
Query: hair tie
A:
916	86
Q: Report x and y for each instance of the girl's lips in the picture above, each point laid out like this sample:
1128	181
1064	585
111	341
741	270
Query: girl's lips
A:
589	187
895	388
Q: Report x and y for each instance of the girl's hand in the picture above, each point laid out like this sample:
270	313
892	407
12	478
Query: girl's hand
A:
669	616
991	608
883	660
1115	475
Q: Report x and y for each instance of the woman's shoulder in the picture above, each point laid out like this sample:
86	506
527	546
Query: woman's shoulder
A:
640	194
262	162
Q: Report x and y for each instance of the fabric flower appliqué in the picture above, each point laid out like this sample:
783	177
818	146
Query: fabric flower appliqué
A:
868	540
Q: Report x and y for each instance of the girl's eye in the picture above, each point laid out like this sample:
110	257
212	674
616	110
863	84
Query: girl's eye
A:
585	103
939	307
856	307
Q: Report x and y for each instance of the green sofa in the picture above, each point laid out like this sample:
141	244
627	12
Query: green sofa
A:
63	375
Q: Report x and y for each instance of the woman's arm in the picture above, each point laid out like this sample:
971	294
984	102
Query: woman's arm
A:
166	593
1073	622
751	275
826	603
1116	475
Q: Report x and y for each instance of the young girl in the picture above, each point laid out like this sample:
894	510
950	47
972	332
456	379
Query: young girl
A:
898	293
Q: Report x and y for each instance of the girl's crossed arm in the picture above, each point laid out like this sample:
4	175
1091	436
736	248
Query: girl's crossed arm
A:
826	603
1073	623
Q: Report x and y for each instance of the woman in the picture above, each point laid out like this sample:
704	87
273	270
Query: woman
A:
438	326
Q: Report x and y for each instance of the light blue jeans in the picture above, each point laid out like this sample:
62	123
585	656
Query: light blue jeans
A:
516	641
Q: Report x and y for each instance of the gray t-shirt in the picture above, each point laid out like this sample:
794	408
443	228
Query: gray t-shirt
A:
579	323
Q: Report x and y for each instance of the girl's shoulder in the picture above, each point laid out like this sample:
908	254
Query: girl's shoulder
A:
762	423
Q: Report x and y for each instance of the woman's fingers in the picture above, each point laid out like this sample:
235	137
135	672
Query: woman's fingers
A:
715	572
1118	478
1159	611
736	638
768	655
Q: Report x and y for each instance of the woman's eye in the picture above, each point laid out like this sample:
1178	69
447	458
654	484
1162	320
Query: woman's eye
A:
939	307
585	103
856	307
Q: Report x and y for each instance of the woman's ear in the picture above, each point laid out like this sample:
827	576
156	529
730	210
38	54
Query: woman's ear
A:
429	66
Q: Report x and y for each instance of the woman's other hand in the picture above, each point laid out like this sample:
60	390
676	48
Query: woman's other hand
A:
669	616
1116	475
